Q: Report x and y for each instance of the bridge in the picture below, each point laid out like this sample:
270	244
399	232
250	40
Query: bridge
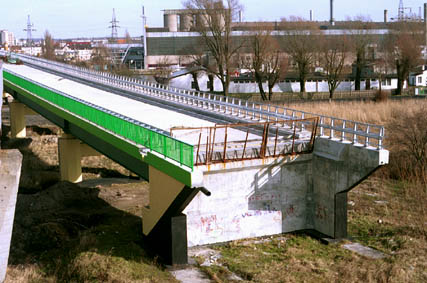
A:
219	168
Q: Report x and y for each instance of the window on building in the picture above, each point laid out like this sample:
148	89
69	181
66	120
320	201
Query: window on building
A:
420	80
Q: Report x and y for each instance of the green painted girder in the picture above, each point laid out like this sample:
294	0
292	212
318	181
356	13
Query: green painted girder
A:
40	95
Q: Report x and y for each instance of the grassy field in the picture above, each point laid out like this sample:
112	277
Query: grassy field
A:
92	232
387	212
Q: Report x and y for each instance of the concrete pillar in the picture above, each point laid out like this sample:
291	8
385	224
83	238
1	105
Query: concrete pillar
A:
1	91
17	120
10	171
163	191
202	20
337	168
186	22
171	21
70	158
71	151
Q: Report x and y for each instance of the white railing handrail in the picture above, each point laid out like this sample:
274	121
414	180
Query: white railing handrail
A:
370	134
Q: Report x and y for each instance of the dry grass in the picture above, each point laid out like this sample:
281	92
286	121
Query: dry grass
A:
382	214
368	112
388	214
405	127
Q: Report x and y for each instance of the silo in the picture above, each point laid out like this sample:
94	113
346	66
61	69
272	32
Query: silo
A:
186	22
202	20
171	21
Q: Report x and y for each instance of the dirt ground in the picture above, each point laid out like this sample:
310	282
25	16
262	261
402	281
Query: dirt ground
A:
75	232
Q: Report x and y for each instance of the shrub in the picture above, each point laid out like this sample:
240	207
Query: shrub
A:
408	142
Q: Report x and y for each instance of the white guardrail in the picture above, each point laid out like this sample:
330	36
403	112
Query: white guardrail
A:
368	135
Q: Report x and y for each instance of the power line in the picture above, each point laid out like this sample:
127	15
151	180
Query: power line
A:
29	31
114	25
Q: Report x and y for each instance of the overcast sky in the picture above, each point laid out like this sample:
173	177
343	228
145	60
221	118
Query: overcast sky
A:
87	18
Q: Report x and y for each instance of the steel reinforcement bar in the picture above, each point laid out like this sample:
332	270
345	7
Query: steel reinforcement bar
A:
368	135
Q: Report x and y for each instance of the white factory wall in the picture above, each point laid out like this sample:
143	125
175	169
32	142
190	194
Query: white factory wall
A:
294	86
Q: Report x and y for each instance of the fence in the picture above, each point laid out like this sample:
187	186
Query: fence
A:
289	97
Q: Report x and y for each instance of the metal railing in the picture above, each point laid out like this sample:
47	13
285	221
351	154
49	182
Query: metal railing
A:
237	142
368	135
140	133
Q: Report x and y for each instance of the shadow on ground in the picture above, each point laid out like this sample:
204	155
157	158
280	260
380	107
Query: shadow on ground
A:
69	232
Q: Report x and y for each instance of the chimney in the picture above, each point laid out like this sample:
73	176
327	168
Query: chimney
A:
332	13
311	15
425	22
240	16
385	16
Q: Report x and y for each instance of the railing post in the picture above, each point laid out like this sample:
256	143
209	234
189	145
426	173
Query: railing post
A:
343	132
380	138
181	153
355	133
321	127
367	136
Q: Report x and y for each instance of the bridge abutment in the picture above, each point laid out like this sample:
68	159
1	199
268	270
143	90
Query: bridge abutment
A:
264	197
10	171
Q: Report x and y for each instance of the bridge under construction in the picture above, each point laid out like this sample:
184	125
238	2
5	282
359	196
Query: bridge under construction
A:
219	168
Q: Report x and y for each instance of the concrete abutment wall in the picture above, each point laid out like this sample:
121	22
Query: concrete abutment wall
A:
266	197
10	171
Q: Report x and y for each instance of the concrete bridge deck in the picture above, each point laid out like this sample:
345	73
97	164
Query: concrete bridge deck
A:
235	169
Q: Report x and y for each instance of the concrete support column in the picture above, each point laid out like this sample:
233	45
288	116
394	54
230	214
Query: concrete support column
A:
17	120
10	171
71	151
163	191
70	158
1	91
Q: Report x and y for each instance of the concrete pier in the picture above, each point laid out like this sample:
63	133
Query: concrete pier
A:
10	171
70	151
2	94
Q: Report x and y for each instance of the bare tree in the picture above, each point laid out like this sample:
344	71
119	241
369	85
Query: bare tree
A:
48	46
101	57
128	39
333	53
268	63
300	45
214	19
407	51
359	30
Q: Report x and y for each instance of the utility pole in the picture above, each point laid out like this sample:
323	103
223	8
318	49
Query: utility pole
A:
401	12
144	35
114	26
29	31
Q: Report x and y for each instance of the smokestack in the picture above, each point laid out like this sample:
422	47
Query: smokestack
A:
425	22
332	13
385	16
240	16
311	16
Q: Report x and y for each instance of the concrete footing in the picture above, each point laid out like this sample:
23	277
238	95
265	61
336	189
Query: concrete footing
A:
10	171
